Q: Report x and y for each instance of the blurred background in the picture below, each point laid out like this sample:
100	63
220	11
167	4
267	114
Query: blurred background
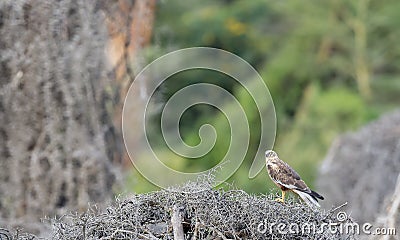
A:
331	67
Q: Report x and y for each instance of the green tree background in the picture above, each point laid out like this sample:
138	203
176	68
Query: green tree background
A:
331	66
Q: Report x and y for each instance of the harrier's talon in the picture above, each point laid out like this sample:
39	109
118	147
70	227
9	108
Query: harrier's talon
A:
282	199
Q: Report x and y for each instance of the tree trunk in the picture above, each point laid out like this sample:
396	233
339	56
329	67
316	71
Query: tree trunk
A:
130	24
56	136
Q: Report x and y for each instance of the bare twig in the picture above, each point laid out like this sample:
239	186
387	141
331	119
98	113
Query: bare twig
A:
333	210
196	229
220	234
176	221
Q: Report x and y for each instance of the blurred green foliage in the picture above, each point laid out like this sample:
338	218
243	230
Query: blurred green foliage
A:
330	66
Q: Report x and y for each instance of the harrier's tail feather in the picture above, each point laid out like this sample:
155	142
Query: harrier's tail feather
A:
316	195
307	198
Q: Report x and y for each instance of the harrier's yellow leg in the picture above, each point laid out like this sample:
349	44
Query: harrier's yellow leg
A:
282	200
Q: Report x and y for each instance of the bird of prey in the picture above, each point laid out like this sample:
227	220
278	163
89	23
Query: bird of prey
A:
288	179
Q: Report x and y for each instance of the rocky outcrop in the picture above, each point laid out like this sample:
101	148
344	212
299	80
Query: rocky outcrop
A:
363	168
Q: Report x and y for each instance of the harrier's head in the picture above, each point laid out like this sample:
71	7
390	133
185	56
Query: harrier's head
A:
269	154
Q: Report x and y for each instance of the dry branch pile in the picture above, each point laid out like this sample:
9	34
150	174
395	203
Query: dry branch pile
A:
205	214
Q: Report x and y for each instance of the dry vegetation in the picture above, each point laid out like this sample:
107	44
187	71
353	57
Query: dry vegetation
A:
203	213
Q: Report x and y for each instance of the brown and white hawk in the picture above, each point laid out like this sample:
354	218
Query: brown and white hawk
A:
288	179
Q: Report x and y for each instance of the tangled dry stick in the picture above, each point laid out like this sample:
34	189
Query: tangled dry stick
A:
196	211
